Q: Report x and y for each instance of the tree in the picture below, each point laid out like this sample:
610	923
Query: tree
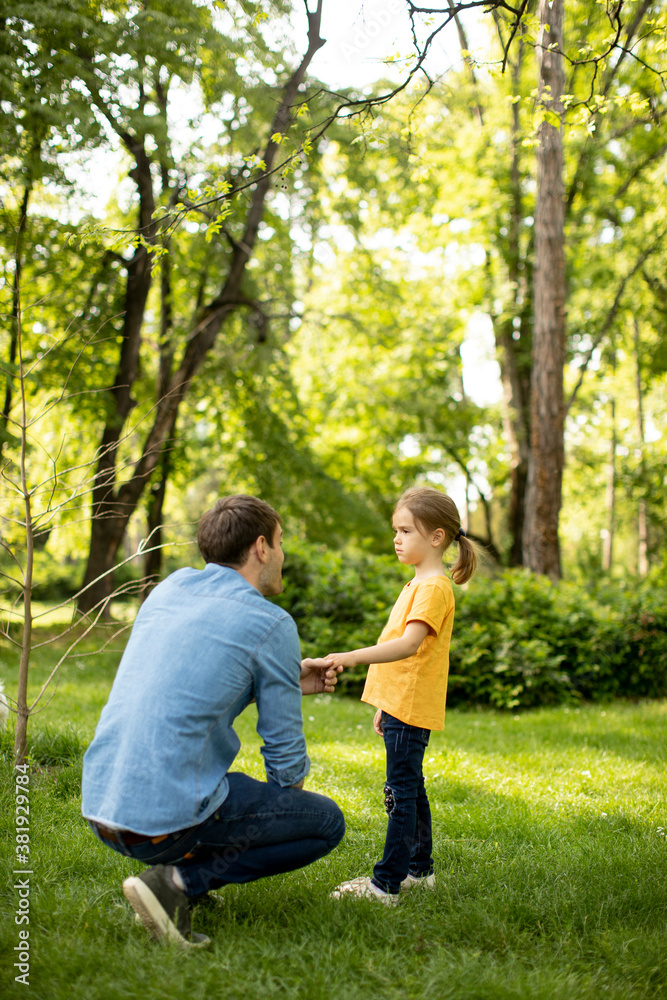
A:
113	502
39	105
42	491
613	62
545	466
198	317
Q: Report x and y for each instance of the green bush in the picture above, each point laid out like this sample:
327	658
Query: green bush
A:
519	640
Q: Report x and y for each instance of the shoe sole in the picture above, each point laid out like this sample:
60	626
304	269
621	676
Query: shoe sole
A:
152	915
421	883
355	890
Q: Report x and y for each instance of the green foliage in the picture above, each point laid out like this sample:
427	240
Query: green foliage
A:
40	105
521	640
376	249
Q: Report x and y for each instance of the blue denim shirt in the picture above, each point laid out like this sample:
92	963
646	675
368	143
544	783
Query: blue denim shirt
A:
203	645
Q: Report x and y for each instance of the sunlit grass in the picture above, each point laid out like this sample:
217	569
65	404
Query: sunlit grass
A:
550	848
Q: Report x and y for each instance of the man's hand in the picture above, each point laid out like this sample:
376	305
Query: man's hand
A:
319	676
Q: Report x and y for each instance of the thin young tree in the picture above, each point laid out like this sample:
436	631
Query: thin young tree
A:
43	490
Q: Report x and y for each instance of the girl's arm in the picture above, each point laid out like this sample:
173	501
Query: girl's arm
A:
384	652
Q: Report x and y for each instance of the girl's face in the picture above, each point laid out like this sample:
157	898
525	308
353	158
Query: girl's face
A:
410	545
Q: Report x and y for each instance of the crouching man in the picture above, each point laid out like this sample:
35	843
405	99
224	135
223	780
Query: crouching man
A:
157	784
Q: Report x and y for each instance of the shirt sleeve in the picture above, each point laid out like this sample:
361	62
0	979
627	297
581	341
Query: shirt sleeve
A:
277	662
430	606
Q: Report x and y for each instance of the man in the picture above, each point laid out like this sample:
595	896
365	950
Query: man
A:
156	780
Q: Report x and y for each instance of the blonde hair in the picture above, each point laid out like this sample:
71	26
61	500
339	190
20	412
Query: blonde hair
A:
431	510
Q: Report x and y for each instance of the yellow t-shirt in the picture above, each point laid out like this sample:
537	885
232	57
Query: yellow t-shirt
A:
414	690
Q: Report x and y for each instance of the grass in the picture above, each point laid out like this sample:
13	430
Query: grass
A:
551	857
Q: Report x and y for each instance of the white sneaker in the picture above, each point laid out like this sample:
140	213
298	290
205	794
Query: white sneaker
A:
362	887
428	881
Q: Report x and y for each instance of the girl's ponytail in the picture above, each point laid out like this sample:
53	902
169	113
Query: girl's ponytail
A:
466	564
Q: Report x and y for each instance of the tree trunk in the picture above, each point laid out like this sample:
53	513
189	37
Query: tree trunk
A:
513	335
154	519
642	518
608	548
158	490
22	710
15	319
153	559
514	353
545	468
113	509
107	523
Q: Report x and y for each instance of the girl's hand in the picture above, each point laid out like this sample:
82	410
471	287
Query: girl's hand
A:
342	660
377	722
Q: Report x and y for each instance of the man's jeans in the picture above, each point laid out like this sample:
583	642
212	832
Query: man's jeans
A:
260	829
409	842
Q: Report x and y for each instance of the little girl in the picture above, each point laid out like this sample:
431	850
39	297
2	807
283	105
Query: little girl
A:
407	683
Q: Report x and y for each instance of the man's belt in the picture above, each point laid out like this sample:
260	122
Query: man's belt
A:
127	837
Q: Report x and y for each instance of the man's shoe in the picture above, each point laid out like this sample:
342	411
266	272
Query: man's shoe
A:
427	881
364	888
163	909
207	901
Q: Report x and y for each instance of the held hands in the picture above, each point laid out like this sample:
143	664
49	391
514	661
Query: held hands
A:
343	660
319	676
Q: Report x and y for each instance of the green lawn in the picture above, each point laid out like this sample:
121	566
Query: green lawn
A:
550	844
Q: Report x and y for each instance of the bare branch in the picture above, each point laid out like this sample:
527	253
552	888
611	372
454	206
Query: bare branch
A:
611	316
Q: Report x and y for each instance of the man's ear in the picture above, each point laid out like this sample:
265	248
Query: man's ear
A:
261	548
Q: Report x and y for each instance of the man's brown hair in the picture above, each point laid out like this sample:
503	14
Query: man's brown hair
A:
230	527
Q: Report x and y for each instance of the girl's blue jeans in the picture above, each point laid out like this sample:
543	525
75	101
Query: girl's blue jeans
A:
409	842
261	829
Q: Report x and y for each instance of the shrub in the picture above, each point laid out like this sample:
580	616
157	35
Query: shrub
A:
521	640
545	643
